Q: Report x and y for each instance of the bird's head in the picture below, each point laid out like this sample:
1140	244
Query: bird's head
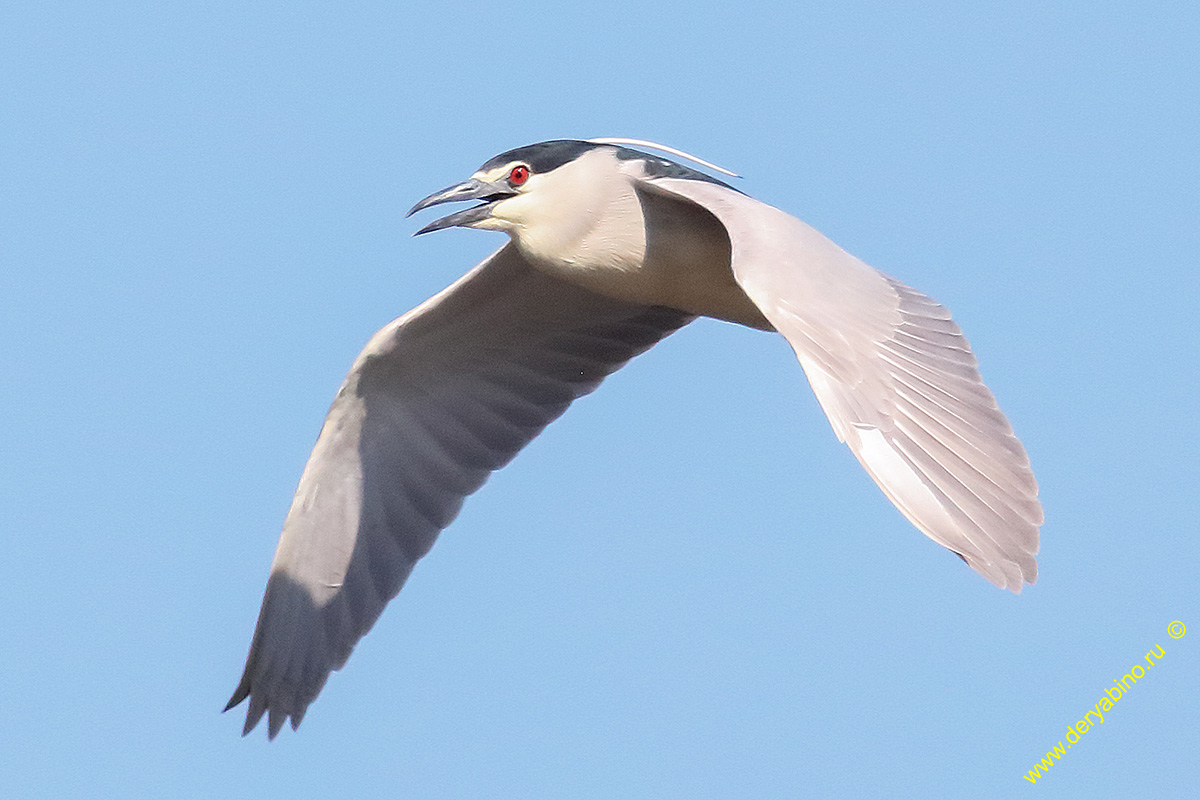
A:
564	202
529	188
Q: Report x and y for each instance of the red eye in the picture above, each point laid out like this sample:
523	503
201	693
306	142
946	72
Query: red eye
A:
518	175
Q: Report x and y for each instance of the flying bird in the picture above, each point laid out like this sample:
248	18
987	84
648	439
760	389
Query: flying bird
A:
611	249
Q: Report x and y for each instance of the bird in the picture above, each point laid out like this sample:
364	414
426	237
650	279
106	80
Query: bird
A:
611	249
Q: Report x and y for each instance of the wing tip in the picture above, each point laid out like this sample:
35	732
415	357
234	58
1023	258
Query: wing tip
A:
1006	574
260	707
238	697
275	679
257	705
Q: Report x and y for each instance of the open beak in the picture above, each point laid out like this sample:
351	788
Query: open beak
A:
473	189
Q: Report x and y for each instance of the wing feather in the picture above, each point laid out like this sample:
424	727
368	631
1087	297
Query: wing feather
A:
897	379
438	400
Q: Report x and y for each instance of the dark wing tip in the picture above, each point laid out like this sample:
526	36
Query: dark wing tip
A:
239	694
289	628
258	707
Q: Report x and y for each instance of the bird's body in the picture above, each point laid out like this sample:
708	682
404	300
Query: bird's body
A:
613	249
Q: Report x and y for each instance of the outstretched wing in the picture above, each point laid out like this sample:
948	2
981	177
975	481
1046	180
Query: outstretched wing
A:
437	400
897	379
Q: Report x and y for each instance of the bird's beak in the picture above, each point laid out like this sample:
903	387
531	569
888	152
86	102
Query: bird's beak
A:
473	189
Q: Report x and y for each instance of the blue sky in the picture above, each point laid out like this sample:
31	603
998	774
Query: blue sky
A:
686	587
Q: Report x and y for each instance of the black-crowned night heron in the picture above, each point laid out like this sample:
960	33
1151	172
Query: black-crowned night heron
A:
611	250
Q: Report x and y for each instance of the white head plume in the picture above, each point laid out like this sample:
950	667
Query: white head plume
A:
664	148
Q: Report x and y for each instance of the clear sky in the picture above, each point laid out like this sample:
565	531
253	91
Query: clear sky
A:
686	588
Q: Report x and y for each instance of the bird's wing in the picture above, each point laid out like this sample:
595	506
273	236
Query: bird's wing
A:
437	400
896	378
